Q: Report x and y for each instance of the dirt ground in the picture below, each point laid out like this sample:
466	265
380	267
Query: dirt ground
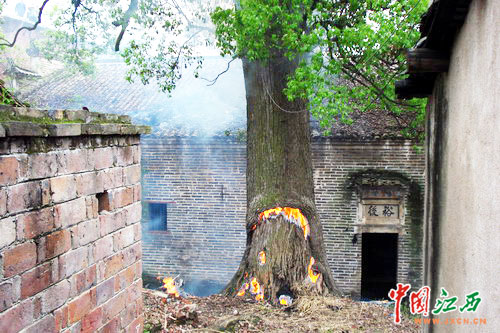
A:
164	313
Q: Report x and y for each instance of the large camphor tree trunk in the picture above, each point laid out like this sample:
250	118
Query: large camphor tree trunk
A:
284	254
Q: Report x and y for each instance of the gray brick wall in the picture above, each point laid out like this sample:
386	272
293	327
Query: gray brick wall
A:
335	163
203	183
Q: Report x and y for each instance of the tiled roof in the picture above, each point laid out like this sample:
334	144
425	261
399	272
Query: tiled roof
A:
194	109
368	125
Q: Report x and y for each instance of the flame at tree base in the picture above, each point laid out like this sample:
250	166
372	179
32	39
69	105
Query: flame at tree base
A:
274	248
243	289
285	300
313	274
292	215
262	258
255	289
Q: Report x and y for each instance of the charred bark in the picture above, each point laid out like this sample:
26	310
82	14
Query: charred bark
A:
279	174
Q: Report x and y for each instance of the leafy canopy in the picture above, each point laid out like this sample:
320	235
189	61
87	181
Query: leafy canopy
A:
351	51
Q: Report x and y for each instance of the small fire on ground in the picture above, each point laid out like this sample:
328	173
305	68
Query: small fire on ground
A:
285	300
292	215
169	286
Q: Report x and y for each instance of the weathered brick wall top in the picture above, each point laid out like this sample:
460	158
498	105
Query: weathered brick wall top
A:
22	121
70	244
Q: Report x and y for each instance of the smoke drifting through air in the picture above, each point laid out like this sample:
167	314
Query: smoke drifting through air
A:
199	248
193	109
196	109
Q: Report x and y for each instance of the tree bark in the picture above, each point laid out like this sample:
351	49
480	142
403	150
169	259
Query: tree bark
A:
279	174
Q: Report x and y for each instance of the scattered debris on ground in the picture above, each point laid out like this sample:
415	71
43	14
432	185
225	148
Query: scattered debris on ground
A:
167	313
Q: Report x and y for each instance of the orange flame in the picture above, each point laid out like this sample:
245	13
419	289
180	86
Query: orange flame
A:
262	258
243	288
304	225
256	289
292	215
312	274
169	286
254	286
270	213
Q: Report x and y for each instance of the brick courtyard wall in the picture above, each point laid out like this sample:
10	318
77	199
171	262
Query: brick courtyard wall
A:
203	184
70	238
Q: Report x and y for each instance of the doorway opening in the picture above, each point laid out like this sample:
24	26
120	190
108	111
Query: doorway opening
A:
378	265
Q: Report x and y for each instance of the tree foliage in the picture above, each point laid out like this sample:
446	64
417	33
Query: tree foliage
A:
351	51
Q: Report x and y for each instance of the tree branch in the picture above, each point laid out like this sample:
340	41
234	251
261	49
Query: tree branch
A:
179	9
175	63
380	90
73	23
124	22
27	28
212	82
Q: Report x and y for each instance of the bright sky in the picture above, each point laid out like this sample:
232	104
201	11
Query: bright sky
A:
31	7
28	10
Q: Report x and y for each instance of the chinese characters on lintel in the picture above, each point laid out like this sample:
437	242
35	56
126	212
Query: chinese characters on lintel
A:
388	211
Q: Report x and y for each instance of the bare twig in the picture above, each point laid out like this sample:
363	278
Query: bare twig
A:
212	82
179	9
27	28
276	104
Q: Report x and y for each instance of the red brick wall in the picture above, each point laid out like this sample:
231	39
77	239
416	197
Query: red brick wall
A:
66	264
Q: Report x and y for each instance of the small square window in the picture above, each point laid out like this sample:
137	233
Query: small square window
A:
157	216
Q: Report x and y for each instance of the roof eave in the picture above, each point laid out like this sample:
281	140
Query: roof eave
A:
439	27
